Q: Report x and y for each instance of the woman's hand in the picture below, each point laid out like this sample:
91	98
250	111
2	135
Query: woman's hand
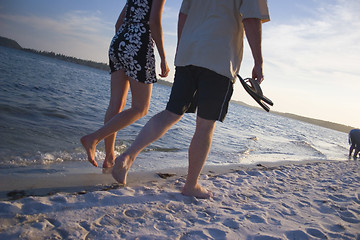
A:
164	69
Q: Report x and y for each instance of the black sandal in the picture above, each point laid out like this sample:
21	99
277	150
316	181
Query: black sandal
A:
253	88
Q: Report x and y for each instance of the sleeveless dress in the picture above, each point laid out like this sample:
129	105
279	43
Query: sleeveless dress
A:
132	47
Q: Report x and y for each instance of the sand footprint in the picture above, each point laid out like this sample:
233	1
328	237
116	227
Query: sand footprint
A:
357	198
297	234
195	234
316	233
355	210
101	234
323	207
10	209
287	210
211	233
108	220
173	207
134	213
254	173
58	199
54	222
263	237
85	225
335	228
304	203
339	198
281	174
349	217
105	227
231	223
255	219
216	233
274	221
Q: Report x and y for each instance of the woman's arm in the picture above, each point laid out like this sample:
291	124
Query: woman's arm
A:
120	20
156	33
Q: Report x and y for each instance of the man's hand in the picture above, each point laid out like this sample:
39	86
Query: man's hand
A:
257	74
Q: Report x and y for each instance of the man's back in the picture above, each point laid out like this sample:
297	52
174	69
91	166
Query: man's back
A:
213	34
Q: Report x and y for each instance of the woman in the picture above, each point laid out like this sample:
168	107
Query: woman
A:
132	64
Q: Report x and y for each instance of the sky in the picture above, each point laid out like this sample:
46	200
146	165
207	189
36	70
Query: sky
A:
311	48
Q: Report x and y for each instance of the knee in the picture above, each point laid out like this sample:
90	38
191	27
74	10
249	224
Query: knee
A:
144	112
116	106
141	111
113	110
205	125
170	116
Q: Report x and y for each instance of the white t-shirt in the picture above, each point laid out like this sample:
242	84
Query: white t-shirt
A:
213	33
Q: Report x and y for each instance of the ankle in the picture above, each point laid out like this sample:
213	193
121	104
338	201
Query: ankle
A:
191	184
110	157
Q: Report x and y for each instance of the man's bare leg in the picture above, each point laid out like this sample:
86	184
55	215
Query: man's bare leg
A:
155	128
198	152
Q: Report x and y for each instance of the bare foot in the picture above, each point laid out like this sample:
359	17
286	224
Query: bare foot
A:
90	149
107	167
109	162
107	170
197	191
121	168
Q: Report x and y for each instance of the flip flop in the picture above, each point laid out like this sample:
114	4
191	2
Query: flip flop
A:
253	88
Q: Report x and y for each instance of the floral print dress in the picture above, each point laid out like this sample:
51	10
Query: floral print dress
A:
132	47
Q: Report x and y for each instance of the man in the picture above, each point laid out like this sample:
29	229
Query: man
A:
354	141
208	57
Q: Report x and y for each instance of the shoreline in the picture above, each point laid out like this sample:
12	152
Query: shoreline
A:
80	181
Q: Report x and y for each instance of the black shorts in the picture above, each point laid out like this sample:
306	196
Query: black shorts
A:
198	88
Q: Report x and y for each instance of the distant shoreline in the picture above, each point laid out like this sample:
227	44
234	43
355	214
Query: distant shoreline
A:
317	122
6	42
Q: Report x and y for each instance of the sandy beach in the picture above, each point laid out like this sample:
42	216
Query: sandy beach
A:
318	200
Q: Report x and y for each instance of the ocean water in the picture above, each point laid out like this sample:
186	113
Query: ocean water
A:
46	105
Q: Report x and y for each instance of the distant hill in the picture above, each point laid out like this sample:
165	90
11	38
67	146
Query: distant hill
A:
6	42
101	66
318	122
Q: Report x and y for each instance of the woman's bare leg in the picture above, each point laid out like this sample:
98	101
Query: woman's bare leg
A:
118	94
141	94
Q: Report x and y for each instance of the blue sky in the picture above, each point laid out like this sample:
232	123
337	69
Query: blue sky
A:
311	47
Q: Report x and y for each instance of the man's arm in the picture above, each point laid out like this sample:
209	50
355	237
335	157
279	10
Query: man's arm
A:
181	23
253	33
